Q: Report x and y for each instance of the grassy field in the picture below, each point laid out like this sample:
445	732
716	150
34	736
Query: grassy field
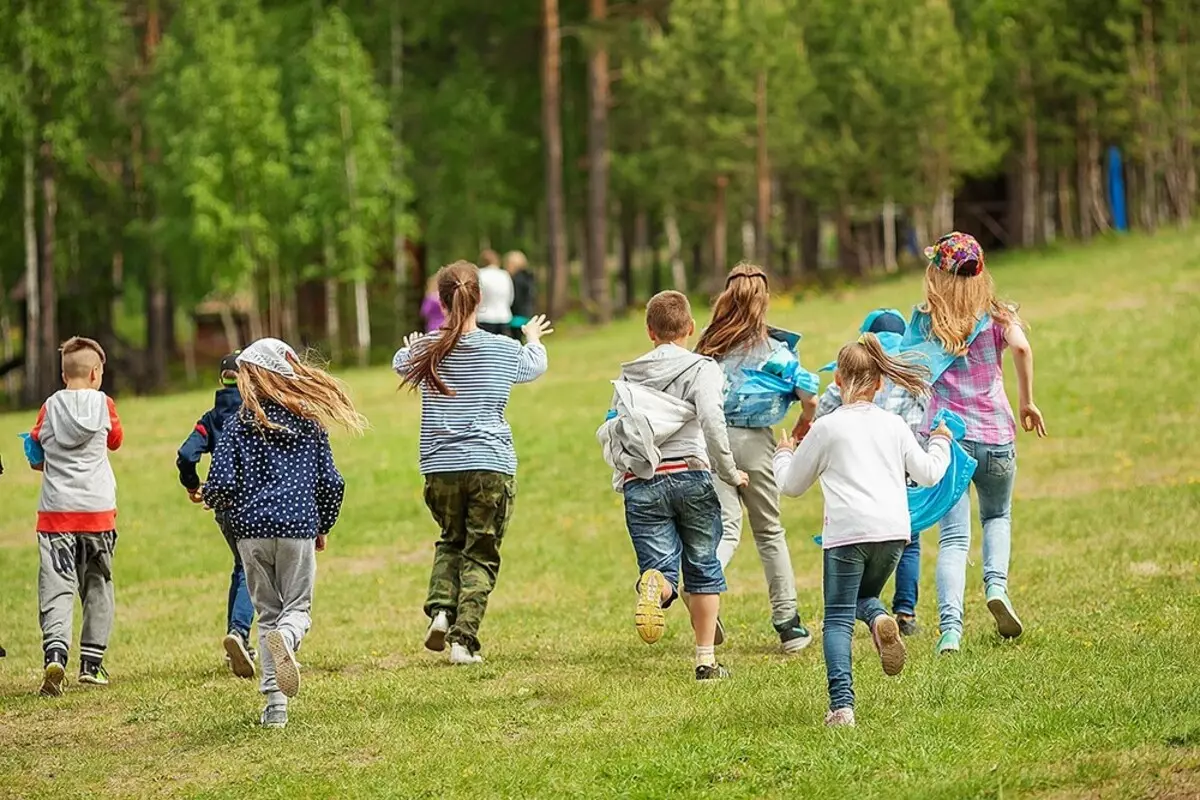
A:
1099	699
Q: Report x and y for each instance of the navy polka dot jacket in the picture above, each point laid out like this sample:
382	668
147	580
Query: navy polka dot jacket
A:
274	484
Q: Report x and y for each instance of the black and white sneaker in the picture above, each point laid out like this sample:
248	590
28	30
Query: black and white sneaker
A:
54	674
712	672
93	673
793	636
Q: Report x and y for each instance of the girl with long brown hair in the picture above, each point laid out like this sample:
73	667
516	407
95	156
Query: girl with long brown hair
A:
962	313
465	376
273	480
738	338
861	454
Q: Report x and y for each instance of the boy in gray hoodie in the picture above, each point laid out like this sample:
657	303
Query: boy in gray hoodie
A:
664	470
77	515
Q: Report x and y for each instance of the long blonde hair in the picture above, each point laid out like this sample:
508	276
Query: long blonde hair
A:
955	304
739	314
861	364
458	289
313	394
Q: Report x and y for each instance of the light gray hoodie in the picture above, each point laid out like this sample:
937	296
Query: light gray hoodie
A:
76	428
700	381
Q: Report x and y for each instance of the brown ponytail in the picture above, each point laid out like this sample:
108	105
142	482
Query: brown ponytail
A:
739	314
861	364
458	289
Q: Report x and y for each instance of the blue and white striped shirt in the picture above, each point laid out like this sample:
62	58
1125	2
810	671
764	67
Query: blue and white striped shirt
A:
467	431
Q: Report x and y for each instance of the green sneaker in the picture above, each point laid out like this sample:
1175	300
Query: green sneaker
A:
93	672
1007	623
949	642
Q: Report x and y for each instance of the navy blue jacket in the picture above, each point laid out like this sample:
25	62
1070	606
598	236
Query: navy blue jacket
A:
204	437
274	483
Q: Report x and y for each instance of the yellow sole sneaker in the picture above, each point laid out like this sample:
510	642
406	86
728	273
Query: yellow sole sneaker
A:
648	616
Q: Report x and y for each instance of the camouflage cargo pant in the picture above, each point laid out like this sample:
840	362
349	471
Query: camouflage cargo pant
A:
473	510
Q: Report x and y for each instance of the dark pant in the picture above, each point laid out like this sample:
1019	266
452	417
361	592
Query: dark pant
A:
496	328
239	610
854	576
908	579
473	510
675	519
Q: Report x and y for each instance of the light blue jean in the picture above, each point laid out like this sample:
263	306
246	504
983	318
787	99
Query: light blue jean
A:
994	479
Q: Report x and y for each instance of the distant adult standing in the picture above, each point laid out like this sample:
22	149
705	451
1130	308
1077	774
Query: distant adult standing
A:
496	295
524	290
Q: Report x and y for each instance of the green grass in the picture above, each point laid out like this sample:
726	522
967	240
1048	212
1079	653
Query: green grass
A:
1098	699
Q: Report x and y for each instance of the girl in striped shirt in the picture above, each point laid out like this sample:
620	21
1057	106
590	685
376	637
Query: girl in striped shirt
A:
465	376
959	292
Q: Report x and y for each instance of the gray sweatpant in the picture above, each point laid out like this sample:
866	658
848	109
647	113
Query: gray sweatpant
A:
754	450
280	574
70	564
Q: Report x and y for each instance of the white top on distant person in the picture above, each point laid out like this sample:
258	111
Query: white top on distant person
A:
496	294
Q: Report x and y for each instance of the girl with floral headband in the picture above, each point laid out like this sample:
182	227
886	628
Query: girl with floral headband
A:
962	314
274	480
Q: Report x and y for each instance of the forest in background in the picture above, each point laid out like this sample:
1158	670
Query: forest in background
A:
299	167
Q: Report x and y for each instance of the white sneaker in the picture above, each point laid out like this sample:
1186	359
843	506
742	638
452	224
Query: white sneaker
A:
435	637
461	656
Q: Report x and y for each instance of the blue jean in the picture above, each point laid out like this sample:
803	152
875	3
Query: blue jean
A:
674	520
854	575
239	611
994	479
908	579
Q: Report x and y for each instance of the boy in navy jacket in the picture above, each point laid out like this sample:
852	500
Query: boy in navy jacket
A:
239	614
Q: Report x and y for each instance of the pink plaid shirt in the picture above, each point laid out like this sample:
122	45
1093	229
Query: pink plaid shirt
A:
973	387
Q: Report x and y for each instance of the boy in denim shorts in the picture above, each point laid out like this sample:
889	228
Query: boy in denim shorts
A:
666	436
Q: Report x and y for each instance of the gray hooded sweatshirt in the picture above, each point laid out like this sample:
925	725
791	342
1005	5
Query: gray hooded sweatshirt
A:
697	380
76	428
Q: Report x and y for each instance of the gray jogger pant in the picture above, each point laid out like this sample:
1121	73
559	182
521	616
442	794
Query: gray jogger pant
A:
70	564
280	574
753	450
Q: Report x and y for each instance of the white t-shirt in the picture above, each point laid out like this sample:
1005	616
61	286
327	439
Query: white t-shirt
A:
496	296
861	453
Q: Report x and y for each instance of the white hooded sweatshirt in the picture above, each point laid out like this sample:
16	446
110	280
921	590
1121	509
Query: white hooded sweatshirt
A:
76	428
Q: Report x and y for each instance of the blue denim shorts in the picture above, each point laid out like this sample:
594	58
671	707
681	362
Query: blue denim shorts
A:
674	521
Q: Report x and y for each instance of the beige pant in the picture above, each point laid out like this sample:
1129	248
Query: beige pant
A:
754	450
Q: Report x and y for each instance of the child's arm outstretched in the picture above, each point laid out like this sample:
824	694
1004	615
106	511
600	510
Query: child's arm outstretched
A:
925	468
532	362
224	473
331	488
797	468
403	356
1031	415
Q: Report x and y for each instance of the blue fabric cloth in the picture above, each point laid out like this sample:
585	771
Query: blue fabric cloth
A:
922	346
675	519
928	505
766	393
274	483
34	453
203	438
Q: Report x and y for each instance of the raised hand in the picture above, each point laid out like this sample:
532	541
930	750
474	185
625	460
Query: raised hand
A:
536	328
412	339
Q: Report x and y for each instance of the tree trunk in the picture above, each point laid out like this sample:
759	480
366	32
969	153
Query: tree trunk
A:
291	322
675	252
333	312
34	382
1028	161
1084	166
274	300
552	133
10	378
720	232
1149	172
763	175
749	239
49	293
641	251
810	237
598	156
1066	221
233	340
157	321
398	235
848	260
362	321
362	308
628	248
889	235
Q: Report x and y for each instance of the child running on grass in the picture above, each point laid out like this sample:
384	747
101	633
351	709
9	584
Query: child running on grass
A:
239	611
274	481
667	433
888	325
861	453
465	376
77	515
959	296
738	339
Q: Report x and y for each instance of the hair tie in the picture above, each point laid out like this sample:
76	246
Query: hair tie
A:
862	339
